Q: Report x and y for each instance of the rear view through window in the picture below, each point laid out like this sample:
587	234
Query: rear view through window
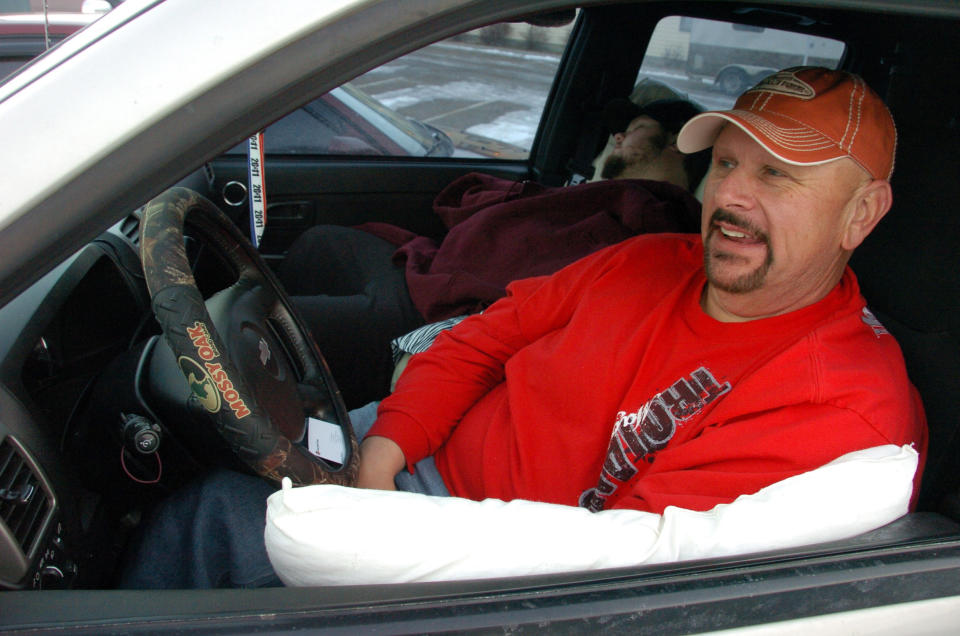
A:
712	62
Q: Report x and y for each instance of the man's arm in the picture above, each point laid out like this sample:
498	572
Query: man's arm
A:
380	460
449	538
441	384
465	363
743	455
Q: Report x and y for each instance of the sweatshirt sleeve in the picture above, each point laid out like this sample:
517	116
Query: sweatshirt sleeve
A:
758	449
440	385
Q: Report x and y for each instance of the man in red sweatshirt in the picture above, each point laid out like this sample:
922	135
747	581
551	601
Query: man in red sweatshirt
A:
677	370
683	370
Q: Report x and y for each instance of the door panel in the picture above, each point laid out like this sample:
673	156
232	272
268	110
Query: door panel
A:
303	192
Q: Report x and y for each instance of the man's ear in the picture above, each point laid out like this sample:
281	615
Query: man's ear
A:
869	204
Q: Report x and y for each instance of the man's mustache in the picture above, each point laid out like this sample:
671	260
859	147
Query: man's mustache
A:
725	216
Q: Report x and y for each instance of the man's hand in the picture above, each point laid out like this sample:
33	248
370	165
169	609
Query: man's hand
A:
380	460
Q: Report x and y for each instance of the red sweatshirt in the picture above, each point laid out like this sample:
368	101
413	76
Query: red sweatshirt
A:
606	385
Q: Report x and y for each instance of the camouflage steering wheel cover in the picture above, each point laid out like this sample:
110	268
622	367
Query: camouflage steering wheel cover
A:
217	383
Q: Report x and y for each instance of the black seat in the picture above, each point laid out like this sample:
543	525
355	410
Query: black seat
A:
909	268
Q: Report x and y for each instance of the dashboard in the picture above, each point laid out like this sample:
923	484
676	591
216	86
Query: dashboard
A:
57	340
87	444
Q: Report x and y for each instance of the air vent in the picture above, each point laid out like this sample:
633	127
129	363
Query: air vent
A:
130	227
25	503
209	175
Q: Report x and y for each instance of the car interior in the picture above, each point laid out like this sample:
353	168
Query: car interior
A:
75	348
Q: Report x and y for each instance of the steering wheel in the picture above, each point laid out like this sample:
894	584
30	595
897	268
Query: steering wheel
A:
251	364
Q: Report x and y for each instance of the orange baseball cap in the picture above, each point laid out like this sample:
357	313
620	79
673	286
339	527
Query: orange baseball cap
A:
806	116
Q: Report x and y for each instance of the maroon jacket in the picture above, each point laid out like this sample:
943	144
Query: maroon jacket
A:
501	230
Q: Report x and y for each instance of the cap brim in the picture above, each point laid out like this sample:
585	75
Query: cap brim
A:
797	146
700	132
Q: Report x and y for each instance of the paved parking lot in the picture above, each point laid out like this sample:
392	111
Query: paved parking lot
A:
497	93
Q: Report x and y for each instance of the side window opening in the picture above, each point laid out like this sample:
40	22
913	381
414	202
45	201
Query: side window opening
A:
479	94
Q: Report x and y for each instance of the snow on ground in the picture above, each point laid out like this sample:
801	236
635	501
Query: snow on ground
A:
461	91
518	127
493	50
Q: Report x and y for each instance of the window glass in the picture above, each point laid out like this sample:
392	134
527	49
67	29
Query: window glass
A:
26	30
10	64
479	94
712	62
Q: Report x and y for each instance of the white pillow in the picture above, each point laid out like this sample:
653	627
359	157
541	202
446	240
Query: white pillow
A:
331	535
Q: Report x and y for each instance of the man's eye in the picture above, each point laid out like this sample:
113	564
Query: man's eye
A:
774	172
